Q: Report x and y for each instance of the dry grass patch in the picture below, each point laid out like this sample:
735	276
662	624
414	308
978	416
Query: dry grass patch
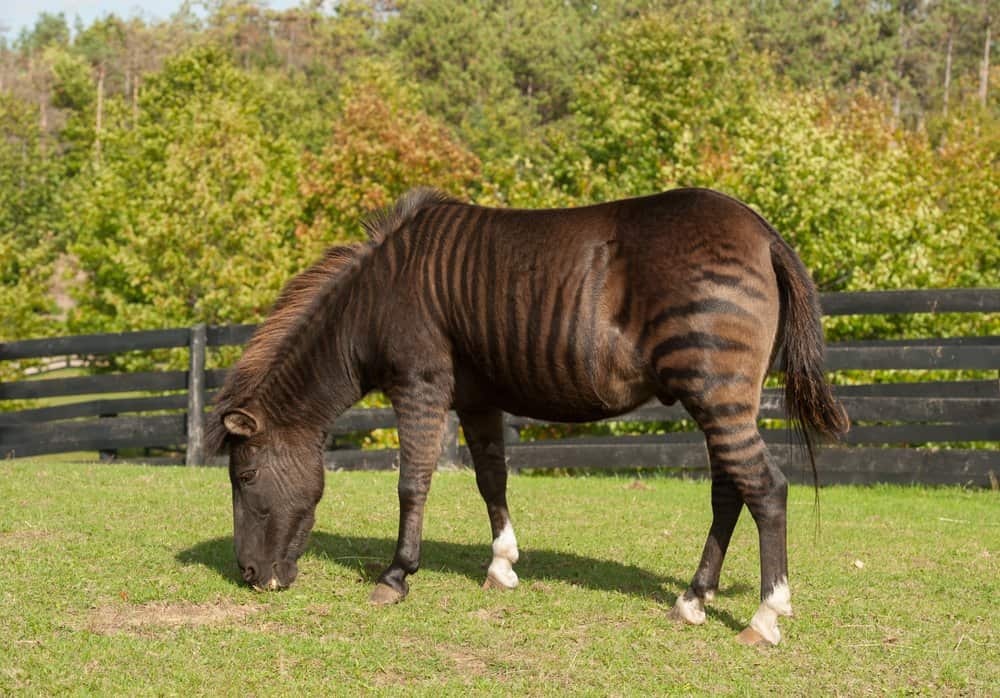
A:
112	619
20	540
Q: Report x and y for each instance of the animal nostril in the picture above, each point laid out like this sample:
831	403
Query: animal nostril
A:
249	573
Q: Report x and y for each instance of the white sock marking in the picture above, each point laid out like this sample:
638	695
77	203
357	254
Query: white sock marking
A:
778	603
504	556
691	610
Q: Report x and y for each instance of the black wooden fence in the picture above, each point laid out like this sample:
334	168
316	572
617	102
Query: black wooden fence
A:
890	419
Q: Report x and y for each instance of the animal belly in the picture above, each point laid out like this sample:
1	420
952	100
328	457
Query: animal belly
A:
573	389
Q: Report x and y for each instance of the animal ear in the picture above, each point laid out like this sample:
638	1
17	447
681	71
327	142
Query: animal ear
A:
241	423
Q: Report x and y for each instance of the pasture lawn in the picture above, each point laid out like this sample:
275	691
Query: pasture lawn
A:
119	579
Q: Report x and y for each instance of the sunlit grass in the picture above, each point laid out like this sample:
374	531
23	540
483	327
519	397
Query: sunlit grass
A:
121	579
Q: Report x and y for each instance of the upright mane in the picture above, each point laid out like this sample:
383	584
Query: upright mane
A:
381	224
299	300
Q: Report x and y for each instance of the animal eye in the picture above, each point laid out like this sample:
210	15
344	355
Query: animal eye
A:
248	476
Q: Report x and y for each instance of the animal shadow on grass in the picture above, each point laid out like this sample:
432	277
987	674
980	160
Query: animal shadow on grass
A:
369	555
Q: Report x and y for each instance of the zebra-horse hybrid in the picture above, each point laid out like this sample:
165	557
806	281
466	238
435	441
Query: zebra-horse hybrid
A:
564	315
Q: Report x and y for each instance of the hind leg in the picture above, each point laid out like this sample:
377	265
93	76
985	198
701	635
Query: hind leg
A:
484	434
739	452
726	507
765	490
742	473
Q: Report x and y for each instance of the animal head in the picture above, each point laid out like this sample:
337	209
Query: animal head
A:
277	481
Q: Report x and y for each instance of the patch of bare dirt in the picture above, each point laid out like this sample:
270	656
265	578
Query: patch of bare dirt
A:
638	485
495	615
466	663
385	677
158	615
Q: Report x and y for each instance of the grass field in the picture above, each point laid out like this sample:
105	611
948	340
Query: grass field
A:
121	579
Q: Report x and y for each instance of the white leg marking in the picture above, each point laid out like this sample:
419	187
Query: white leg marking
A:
504	556
765	620
691	610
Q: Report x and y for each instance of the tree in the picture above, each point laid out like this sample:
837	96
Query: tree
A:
380	147
27	252
191	215
668	88
866	204
494	70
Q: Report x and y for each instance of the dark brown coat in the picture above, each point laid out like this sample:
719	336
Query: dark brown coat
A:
569	314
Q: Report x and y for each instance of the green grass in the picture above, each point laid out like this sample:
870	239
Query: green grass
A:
119	579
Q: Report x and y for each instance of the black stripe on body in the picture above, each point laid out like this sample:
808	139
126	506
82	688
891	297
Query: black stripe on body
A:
716	430
513	348
712	417
750	474
570	356
533	331
472	285
696	340
496	291
553	338
704	306
722	448
462	267
424	250
741	264
397	248
690	383
596	276
446	260
730	281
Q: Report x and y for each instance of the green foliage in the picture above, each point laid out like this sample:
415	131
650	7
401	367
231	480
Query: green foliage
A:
866	205
380	147
668	89
190	215
494	70
50	30
27	251
189	167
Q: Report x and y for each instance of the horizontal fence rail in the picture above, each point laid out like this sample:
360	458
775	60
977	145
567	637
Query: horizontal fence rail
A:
889	418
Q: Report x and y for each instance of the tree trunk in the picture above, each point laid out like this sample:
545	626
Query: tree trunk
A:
947	68
984	71
135	101
897	106
100	115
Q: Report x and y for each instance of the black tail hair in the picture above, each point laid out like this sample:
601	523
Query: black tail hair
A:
809	399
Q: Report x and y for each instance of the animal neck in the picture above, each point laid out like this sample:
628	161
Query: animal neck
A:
315	372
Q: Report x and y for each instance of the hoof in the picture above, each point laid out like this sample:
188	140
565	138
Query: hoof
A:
494	582
385	595
688	610
500	575
752	638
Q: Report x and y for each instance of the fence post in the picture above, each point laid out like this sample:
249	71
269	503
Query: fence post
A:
196	397
449	444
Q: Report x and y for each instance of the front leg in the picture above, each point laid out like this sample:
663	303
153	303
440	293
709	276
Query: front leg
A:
421	429
484	434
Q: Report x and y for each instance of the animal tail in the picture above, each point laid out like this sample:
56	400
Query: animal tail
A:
809	399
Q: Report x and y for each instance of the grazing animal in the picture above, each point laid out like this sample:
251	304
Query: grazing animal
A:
569	315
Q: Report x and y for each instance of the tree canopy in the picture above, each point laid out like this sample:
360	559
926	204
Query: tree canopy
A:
157	174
